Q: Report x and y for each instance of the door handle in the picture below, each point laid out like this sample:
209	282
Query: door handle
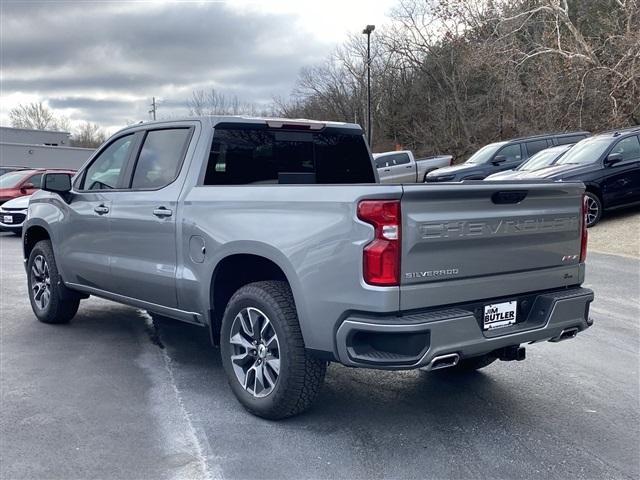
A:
101	209
409	166
162	212
387	169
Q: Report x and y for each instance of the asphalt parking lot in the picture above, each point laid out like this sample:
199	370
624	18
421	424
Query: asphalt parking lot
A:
112	396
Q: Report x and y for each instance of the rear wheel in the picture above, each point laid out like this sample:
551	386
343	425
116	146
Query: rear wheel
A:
594	208
263	353
50	300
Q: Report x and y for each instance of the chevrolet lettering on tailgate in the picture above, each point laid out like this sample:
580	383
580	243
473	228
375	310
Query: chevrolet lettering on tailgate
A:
463	228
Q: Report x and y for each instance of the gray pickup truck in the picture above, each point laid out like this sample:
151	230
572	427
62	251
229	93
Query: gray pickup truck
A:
278	238
402	167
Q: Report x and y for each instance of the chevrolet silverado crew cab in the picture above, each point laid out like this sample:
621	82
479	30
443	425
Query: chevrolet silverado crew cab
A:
277	237
402	167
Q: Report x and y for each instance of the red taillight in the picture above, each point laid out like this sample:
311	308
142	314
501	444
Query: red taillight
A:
583	228
382	255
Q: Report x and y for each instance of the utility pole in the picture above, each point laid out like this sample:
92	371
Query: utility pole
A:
367	31
153	107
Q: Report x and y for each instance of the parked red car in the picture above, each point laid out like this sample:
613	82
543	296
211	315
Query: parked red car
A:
23	182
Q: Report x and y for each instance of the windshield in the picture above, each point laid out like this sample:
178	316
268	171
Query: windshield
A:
586	151
10	180
541	159
485	153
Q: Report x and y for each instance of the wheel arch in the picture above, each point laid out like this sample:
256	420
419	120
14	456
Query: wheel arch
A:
233	272
33	234
595	189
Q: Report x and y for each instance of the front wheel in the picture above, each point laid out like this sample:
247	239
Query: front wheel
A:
594	208
49	301
263	352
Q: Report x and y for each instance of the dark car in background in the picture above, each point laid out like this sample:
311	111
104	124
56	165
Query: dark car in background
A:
23	182
500	156
609	166
542	159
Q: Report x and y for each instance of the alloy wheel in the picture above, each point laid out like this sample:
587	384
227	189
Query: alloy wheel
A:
593	210
255	352
40	282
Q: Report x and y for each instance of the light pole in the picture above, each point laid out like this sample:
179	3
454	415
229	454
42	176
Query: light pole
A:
367	31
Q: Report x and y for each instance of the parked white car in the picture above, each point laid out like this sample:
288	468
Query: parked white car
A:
13	214
401	166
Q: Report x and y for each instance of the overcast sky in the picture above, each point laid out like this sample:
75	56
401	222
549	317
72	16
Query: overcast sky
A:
102	62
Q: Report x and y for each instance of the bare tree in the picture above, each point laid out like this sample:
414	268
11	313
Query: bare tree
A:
37	116
450	76
88	135
212	102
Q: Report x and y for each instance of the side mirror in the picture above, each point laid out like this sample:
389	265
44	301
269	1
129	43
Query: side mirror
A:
56	182
612	159
498	159
24	189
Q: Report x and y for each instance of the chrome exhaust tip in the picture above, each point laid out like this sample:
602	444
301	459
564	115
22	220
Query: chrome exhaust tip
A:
444	361
566	334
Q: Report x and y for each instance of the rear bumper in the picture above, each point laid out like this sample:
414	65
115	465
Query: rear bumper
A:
414	340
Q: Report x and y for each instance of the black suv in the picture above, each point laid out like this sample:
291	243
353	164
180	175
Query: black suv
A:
500	156
609	166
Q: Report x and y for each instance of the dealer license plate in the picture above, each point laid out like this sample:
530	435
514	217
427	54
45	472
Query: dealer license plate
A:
500	315
7	219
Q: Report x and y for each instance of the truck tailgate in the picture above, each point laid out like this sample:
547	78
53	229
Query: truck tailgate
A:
480	240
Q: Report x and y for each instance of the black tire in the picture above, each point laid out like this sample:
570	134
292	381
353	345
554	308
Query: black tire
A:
61	305
594	205
300	375
471	364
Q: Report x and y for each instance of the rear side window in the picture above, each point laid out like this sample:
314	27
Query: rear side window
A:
570	139
392	160
104	172
160	158
629	148
401	159
256	154
535	146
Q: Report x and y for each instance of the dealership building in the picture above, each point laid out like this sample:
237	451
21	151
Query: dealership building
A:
40	148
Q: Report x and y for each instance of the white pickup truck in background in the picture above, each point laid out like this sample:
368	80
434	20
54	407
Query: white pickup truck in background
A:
402	167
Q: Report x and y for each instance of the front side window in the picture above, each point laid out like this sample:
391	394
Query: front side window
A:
35	180
401	159
251	154
104	172
628	147
160	158
511	153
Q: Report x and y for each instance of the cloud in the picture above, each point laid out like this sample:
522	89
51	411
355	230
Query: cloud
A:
103	62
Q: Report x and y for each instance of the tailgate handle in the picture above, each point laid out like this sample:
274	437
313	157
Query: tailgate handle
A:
512	196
